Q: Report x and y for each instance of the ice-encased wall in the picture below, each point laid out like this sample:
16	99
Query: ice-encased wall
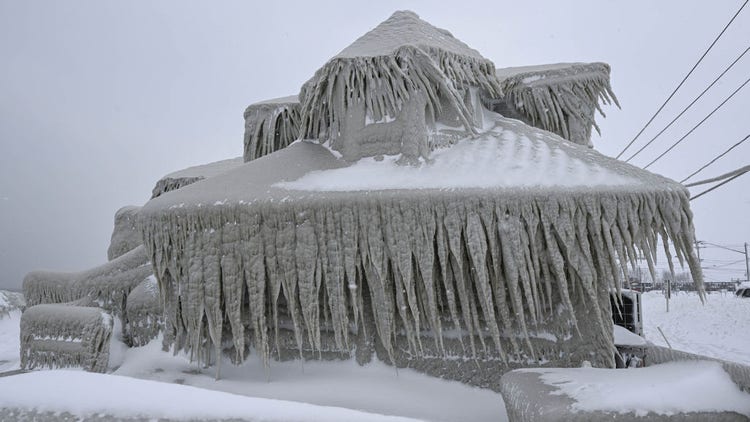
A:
422	278
270	126
125	235
143	313
560	98
107	285
60	336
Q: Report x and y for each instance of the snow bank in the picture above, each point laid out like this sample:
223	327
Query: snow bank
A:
666	389
85	394
717	329
10	334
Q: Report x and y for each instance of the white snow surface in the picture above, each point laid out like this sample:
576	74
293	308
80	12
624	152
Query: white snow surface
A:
10	344
502	157
405	28
669	388
84	394
719	329
623	337
376	388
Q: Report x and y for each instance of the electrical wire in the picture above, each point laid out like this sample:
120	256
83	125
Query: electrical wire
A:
717	186
717	157
689	105
739	171
684	79
698	125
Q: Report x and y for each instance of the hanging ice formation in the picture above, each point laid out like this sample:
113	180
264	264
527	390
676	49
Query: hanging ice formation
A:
270	126
560	98
505	258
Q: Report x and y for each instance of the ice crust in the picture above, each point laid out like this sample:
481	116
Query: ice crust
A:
60	336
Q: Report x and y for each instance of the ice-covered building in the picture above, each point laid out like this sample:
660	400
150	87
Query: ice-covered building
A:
412	222
415	204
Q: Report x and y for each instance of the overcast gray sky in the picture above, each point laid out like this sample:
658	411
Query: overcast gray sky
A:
99	99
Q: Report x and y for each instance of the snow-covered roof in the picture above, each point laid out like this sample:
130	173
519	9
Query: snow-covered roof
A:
509	158
206	170
184	177
405	28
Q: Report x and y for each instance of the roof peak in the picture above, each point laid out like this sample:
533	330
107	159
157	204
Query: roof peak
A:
402	29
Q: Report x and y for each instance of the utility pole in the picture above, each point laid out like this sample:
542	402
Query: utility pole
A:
698	250
747	265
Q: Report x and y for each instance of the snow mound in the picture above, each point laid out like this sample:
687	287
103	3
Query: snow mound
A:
82	394
664	389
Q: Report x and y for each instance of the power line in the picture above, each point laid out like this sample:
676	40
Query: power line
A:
689	105
739	171
698	125
717	157
684	79
719	185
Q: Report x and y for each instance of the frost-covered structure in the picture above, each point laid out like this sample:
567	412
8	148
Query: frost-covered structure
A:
560	98
270	126
107	285
413	203
124	288
413	223
59	336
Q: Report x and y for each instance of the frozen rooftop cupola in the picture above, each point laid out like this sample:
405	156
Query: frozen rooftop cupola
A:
393	89
495	246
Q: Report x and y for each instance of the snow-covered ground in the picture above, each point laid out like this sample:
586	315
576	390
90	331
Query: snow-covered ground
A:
375	388
344	390
719	329
316	390
10	331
